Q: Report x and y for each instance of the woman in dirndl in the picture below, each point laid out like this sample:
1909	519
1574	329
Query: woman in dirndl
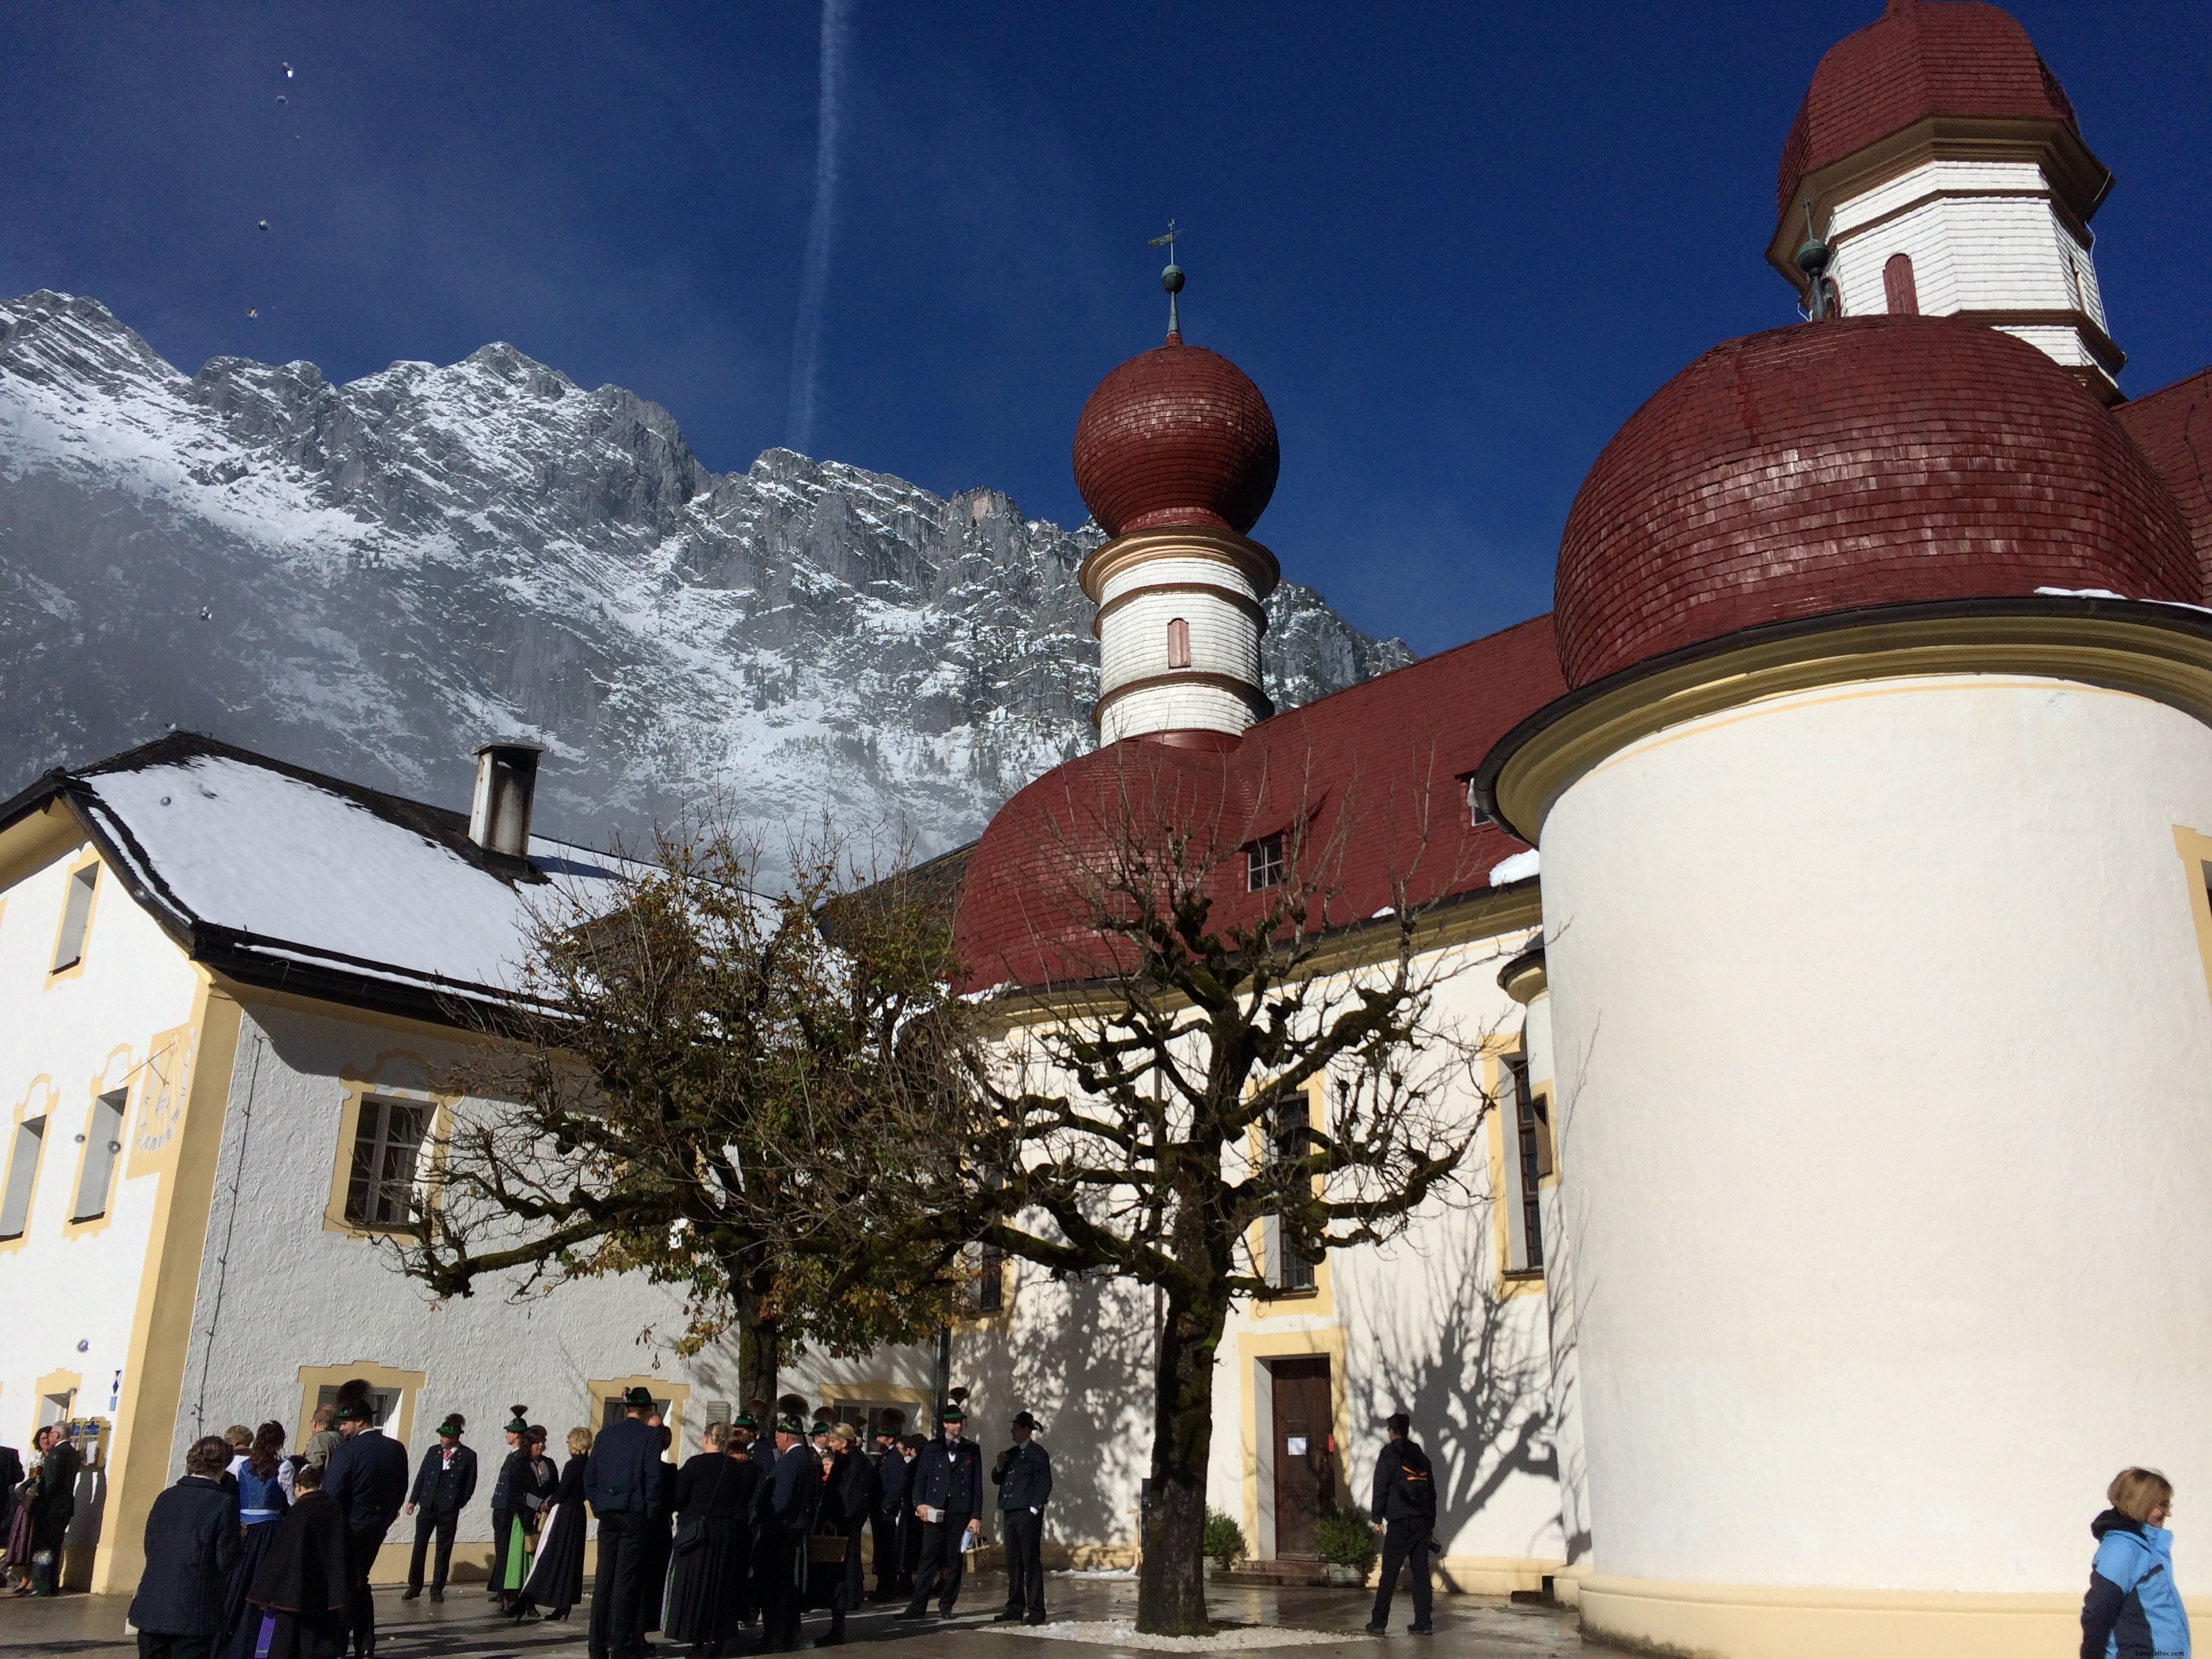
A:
529	1490
264	1493
707	1560
556	1574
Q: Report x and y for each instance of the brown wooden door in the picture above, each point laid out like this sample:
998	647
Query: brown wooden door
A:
1302	1452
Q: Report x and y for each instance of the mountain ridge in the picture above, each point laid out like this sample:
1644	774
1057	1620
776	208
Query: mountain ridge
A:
372	577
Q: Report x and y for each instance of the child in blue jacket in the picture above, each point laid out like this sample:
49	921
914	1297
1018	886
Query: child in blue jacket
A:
2133	1610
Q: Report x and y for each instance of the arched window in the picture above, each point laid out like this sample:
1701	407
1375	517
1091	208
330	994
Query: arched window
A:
1178	644
1897	286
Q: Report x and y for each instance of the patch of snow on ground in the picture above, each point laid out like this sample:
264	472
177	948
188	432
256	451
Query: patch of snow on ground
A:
1122	1634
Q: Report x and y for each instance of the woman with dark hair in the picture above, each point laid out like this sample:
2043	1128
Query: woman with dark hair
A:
262	1499
556	1574
530	1487
18	1557
297	1597
502	1512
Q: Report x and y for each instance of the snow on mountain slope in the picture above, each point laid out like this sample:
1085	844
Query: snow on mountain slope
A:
373	578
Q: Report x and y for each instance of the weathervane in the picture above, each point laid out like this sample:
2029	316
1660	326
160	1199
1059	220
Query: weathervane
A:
1171	279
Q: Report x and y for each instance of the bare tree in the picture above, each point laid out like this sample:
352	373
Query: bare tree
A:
695	1087
1220	1058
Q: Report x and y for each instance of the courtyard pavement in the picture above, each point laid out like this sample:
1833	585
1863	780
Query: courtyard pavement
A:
464	1626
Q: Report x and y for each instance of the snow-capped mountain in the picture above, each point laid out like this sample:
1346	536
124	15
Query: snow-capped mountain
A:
373	578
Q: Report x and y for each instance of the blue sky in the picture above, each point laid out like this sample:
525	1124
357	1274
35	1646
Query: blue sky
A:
1455	246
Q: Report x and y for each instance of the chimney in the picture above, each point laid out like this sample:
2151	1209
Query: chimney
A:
506	779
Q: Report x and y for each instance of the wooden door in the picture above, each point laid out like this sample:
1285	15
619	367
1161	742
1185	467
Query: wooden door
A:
1303	1463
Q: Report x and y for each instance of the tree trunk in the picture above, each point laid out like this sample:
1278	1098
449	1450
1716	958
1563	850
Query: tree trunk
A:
1171	1583
760	1349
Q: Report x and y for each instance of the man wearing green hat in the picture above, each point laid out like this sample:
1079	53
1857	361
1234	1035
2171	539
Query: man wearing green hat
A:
503	1506
947	1495
443	1485
788	1502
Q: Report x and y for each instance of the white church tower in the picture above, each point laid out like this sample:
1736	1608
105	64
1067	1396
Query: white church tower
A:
1175	454
1935	168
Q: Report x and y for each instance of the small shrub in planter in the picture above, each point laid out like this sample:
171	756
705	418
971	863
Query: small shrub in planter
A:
1341	1539
1224	1539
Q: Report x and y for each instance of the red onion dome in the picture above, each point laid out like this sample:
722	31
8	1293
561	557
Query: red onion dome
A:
1863	461
1918	60
1178	436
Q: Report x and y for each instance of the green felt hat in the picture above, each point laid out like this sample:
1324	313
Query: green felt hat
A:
791	1425
355	1410
637	1398
452	1426
745	1420
952	1414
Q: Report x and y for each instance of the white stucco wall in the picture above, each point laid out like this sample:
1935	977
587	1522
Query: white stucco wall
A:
68	1291
1882	1035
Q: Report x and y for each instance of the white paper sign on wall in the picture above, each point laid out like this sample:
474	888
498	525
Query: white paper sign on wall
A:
1297	1446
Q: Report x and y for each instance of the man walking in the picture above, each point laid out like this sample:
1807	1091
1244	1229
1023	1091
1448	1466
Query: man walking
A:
948	1501
622	1481
368	1479
192	1544
1022	1475
1404	1511
443	1487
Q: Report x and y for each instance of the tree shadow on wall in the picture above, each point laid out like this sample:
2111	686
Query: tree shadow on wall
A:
1078	1353
1473	1375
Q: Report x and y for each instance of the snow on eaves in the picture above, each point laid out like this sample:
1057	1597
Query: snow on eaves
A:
248	848
1519	867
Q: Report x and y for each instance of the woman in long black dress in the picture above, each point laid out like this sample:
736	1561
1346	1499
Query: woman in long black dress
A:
302	1582
654	1576
556	1577
706	1580
262	1502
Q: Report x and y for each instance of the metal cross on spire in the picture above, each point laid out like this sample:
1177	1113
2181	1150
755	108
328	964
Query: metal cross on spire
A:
1171	280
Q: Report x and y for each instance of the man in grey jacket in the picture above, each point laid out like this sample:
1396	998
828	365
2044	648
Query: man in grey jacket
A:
622	1483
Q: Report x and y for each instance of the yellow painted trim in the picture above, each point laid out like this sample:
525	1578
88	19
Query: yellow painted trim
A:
2195	851
49	1104
1328	1342
1531	982
1493	1575
1319	1303
313	1379
1510	1285
161	1324
923	1401
64	1382
358	1085
89	856
2137	658
599	1390
99	1086
420	1029
37	841
1748	1621
994	1323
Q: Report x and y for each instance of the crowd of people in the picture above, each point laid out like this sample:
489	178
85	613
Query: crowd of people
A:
255	1554
37	1500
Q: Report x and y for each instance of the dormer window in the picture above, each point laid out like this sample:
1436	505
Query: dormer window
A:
1179	643
1263	863
1477	818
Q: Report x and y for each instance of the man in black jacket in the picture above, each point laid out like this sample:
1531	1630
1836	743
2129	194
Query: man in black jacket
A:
947	1499
622	1483
443	1487
892	1513
367	1479
192	1541
788	1502
1022	1475
1404	1511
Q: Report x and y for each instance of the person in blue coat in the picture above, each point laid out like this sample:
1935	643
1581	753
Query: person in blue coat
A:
443	1487
947	1497
2133	1609
622	1483
367	1479
1022	1475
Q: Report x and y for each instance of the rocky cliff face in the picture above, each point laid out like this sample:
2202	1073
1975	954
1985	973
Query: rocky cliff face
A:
373	578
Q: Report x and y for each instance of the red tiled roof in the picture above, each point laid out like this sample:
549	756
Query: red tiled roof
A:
1371	763
1920	59
2173	426
1867	460
1176	435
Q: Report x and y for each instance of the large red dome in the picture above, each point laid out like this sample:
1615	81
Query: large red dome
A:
1179	435
1919	59
1868	460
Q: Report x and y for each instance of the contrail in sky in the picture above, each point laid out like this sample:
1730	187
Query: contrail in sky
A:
814	279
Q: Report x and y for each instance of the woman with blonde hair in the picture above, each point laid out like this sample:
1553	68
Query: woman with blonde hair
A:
2133	1609
556	1577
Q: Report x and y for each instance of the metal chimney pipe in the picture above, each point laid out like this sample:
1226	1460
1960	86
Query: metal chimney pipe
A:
507	780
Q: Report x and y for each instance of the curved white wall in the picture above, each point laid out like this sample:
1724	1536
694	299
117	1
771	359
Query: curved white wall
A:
1215	595
1185	706
1884	1048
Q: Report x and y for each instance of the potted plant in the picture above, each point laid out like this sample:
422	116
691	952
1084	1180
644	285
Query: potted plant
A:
1345	1546
1225	1540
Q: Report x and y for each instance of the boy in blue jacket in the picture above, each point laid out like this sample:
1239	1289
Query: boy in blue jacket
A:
2133	1609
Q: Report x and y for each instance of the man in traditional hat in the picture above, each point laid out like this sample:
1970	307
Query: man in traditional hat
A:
788	1503
443	1485
948	1501
367	1479
891	1510
503	1506
622	1483
1022	1475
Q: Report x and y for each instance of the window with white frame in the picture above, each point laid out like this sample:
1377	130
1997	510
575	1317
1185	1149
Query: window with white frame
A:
387	1144
23	1175
1263	863
76	916
103	1141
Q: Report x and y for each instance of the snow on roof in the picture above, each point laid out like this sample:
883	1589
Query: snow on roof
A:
262	862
